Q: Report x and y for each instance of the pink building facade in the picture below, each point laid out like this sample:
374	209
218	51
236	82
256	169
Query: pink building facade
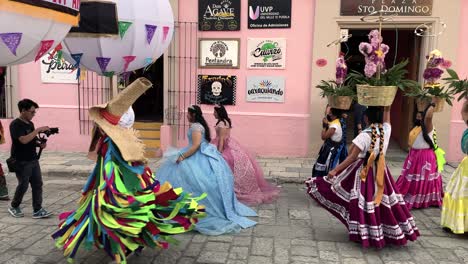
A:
290	128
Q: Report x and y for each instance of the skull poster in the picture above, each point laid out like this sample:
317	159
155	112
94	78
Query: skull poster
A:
216	89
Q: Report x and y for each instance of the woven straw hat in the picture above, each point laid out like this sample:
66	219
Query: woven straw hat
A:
107	117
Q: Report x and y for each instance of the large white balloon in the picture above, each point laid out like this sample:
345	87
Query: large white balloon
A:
150	27
28	31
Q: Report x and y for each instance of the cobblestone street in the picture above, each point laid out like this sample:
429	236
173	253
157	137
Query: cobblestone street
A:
292	230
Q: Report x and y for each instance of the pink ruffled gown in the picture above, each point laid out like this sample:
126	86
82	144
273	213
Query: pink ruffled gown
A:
249	183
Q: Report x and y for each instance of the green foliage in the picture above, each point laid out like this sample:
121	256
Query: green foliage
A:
428	92
331	88
457	86
394	76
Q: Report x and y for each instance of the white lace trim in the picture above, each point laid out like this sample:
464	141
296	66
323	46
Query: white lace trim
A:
422	176
365	231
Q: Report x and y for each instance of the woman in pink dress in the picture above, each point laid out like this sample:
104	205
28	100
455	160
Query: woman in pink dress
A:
249	183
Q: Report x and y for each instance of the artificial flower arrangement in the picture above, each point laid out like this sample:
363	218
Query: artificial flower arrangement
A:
339	94
378	85
435	67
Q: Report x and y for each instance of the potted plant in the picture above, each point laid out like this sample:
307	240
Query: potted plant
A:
458	87
435	67
378	86
339	94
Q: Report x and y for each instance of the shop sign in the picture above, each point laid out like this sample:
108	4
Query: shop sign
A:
65	6
399	7
57	71
219	15
217	89
267	89
269	14
219	53
268	53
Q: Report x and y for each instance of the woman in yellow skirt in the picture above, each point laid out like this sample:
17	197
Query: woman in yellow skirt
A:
455	205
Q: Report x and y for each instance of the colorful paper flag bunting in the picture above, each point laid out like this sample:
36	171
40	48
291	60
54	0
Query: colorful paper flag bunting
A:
77	58
109	74
148	62
56	49
150	30
103	62
11	40
123	27
45	46
128	60
165	32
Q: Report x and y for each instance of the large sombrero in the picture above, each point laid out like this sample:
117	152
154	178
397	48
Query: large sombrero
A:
107	117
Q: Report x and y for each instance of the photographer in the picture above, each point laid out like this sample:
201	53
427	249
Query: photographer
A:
26	164
3	184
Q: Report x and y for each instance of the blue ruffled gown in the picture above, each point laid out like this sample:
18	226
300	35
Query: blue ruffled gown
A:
207	172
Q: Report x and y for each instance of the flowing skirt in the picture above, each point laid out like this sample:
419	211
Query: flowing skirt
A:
455	207
123	209
351	200
420	182
328	158
207	172
249	182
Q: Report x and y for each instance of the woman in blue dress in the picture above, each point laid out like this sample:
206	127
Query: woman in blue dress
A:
200	168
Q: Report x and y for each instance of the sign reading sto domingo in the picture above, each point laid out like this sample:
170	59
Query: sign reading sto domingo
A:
266	53
268	89
219	53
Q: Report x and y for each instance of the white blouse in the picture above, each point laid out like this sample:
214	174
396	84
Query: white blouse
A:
364	139
420	143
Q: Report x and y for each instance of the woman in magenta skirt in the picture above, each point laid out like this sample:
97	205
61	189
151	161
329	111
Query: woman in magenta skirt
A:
420	181
361	193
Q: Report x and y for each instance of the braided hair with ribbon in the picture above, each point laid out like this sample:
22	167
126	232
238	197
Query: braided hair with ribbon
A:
433	142
198	118
375	118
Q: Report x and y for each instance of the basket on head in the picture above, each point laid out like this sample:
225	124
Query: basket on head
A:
340	102
107	117
376	95
423	103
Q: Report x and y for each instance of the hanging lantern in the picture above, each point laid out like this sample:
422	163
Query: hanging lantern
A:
29	29
129	35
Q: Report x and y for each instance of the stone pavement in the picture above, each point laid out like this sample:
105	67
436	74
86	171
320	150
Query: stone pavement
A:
291	230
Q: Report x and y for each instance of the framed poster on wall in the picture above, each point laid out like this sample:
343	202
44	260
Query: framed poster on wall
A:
266	89
269	14
219	15
219	53
56	71
217	89
266	53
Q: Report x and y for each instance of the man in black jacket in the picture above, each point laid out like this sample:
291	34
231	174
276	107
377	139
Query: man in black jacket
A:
23	148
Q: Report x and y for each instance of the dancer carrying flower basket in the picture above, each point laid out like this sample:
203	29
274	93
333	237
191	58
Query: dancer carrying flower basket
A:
340	97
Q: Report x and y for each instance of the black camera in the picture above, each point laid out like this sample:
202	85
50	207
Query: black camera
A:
43	139
51	131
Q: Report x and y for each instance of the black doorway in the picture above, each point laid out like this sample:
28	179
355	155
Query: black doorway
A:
150	106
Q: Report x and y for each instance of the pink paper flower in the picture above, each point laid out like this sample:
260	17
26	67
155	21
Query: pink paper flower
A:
321	62
446	64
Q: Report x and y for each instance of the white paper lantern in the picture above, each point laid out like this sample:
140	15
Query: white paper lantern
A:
28	31
146	28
